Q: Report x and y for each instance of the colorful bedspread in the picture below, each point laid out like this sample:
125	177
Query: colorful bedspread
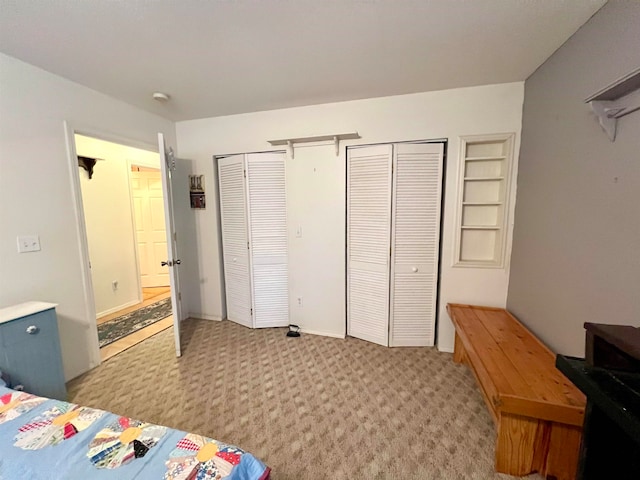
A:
43	439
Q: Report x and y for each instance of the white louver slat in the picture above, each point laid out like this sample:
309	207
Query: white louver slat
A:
235	238
368	239
415	244
268	238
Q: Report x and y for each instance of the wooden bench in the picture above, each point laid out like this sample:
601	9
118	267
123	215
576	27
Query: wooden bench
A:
537	410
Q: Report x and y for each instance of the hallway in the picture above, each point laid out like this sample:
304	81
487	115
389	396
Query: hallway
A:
150	295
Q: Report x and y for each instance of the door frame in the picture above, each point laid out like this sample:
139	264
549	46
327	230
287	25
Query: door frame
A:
70	131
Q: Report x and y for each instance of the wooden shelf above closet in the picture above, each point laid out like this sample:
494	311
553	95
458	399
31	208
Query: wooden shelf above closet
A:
336	138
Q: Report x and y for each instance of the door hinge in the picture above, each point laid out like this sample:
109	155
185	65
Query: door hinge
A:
180	296
175	236
247	245
245	173
252	312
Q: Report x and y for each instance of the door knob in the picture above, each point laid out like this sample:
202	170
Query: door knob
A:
414	269
32	330
177	262
166	264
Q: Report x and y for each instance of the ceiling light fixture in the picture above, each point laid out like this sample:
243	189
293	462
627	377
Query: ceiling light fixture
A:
161	97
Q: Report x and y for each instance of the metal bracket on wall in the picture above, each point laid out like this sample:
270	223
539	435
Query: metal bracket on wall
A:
171	160
615	101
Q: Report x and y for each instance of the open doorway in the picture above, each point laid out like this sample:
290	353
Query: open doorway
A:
123	206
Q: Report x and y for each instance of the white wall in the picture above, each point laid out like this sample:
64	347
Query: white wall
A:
317	199
36	192
106	199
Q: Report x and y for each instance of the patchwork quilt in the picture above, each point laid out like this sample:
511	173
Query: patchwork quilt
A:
44	439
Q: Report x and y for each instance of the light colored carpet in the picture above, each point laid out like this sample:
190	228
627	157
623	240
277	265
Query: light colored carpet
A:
310	407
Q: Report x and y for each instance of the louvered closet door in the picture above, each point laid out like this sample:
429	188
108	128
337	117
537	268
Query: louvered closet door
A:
235	239
415	243
268	237
368	240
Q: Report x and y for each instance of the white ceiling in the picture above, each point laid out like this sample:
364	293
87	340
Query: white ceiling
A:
224	56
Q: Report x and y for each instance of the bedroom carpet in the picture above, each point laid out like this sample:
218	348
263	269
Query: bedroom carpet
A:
310	407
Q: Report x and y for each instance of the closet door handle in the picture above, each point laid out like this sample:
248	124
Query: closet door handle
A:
414	269
32	330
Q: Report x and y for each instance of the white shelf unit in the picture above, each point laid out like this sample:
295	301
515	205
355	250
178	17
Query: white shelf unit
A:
485	162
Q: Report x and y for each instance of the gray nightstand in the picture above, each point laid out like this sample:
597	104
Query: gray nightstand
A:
30	349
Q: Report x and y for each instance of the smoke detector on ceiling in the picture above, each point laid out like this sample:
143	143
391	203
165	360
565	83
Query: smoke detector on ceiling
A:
161	97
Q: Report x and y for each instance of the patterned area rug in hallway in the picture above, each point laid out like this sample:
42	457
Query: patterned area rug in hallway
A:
109	332
311	407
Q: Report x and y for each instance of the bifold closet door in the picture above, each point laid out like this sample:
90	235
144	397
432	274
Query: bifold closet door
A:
368	241
415	241
268	239
235	239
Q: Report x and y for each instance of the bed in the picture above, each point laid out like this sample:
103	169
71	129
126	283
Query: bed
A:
49	439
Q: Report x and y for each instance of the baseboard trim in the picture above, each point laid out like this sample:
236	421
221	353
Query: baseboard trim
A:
445	349
115	309
323	334
204	316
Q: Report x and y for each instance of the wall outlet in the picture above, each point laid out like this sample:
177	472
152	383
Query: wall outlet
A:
28	243
114	285
299	231
299	301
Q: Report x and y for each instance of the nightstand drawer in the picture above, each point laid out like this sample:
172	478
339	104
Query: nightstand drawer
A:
34	328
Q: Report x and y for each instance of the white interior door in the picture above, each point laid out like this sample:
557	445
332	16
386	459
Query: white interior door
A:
415	243
235	239
368	242
167	165
151	232
268	239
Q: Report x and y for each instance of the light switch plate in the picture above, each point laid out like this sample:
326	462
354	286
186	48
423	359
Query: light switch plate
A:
28	243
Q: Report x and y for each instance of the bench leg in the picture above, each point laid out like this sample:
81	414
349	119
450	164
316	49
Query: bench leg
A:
515	445
525	445
564	451
459	355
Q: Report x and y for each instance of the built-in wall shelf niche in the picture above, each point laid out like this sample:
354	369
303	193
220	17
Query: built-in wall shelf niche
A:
485	166
616	100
